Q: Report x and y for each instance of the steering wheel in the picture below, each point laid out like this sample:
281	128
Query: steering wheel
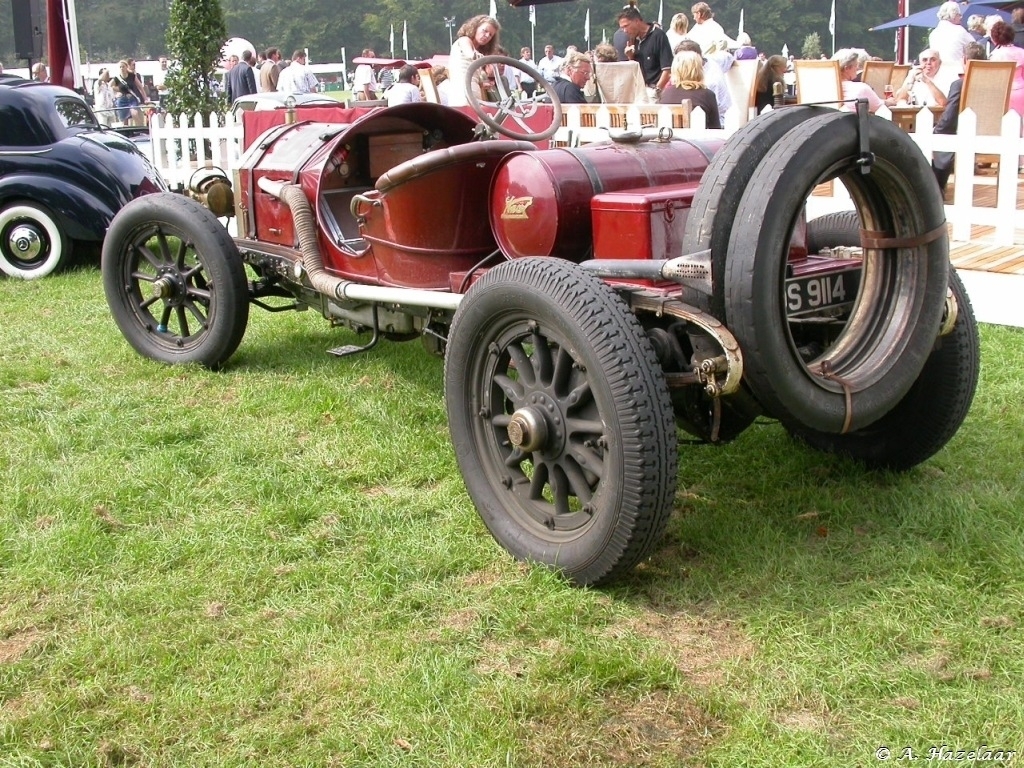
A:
508	106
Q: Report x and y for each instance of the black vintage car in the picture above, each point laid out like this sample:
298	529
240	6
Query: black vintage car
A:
62	177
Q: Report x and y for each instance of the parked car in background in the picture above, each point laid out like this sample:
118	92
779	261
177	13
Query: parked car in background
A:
62	177
278	100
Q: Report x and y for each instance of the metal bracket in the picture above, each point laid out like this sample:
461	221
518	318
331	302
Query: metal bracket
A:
867	157
354	349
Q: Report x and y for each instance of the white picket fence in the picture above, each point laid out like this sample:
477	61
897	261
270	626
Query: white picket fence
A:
180	146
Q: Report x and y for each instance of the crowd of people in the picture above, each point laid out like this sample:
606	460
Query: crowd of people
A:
268	71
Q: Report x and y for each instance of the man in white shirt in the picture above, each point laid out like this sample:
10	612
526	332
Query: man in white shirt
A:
528	84
296	77
705	29
549	64
364	81
926	84
406	89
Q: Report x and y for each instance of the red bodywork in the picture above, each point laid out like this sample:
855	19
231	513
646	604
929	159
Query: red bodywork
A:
405	197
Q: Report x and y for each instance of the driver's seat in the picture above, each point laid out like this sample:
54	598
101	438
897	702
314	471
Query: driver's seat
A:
428	216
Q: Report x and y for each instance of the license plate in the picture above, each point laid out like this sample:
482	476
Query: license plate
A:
814	293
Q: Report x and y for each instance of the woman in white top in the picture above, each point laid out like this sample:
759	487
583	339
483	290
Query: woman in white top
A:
477	37
103	98
849	60
677	30
950	39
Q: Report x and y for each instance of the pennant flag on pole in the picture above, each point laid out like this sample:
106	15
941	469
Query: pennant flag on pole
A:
604	35
391	41
586	29
405	38
661	12
832	20
494	10
739	29
533	15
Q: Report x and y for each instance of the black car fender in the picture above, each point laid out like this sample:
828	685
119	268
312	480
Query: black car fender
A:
77	211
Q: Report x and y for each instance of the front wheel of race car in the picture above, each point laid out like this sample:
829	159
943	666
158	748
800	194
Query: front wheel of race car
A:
561	419
175	282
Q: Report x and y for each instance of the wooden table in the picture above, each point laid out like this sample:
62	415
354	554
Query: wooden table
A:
906	116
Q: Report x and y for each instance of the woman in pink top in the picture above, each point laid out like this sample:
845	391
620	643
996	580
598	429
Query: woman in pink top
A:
1001	35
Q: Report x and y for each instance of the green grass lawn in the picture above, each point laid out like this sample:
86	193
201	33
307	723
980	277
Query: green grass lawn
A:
278	565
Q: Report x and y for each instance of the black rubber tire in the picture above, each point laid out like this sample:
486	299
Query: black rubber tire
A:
544	340
167	241
893	323
492	121
710	219
929	414
32	244
832	229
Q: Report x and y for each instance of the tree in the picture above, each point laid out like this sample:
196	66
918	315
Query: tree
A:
812	46
195	36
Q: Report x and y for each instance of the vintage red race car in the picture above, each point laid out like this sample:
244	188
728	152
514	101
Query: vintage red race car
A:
589	302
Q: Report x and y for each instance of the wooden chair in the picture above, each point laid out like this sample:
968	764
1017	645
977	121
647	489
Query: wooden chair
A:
878	74
898	75
817	81
681	115
742	82
429	87
986	90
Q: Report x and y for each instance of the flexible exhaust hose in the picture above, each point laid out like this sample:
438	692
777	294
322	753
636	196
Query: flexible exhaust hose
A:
305	228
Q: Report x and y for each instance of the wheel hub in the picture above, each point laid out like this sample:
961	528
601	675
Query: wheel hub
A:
168	287
537	426
24	241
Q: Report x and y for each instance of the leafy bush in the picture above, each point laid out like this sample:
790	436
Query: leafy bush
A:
195	36
812	46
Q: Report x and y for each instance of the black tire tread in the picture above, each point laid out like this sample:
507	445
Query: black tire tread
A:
221	258
929	415
630	368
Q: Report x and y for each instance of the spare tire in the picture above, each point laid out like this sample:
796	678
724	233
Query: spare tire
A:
714	206
888	331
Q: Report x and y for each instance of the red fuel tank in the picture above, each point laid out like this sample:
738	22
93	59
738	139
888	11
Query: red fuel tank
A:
540	201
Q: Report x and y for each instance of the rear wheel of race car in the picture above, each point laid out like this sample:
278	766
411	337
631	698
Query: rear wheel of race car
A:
710	218
880	345
175	282
32	245
841	228
561	419
929	414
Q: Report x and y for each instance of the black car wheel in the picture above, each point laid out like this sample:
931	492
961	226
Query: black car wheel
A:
930	413
879	346
561	419
175	282
32	245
